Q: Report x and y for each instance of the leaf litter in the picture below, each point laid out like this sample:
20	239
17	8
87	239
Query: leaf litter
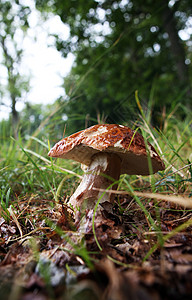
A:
43	256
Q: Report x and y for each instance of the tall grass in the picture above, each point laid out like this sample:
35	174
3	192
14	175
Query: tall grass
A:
26	171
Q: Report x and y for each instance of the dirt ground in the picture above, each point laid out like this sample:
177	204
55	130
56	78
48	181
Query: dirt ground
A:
42	258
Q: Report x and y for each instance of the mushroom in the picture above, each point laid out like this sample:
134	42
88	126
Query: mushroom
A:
108	150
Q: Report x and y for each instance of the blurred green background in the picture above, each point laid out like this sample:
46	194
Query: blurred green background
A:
119	47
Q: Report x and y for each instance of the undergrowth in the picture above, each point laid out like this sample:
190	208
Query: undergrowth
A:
27	170
34	186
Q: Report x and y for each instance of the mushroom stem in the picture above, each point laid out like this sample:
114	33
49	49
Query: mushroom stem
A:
104	169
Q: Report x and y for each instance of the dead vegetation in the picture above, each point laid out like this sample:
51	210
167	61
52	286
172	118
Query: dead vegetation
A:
42	257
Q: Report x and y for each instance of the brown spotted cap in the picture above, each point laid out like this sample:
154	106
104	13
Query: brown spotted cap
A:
111	138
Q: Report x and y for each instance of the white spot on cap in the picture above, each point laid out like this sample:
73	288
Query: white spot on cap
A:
118	144
152	153
100	130
61	146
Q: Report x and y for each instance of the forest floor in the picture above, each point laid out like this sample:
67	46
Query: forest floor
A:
43	258
140	249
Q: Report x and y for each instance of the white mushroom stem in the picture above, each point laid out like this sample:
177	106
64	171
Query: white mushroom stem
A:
105	168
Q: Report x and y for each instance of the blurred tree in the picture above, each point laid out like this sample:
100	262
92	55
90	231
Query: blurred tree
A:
122	46
13	85
31	117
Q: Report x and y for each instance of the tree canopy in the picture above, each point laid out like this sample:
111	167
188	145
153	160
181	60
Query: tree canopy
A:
124	46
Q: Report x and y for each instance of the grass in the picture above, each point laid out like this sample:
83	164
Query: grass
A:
33	187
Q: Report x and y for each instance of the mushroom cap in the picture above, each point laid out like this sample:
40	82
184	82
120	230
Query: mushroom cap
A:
129	145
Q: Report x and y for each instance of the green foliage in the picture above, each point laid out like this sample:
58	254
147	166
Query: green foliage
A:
31	117
120	47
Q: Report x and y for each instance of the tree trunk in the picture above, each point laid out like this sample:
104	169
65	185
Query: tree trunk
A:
9	62
175	46
15	117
